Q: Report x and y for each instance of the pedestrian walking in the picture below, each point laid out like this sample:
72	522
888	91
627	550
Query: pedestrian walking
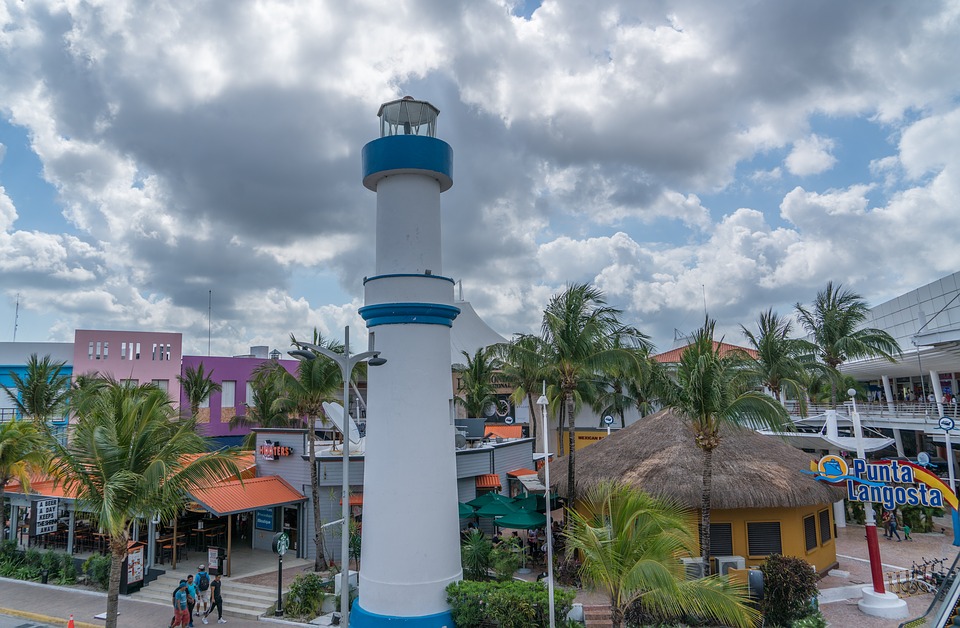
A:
191	597
215	585
893	529
886	524
202	582
181	617
906	532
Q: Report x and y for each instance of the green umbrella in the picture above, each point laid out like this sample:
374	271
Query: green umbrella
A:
496	509
465	511
522	520
537	503
486	498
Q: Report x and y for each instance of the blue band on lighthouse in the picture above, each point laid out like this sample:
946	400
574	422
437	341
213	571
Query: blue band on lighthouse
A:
407	154
409	314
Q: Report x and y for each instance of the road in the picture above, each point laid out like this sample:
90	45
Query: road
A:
6	621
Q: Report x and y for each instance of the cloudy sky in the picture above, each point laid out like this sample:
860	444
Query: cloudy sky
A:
737	155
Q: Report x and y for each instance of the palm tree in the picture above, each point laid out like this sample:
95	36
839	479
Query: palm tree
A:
645	387
521	367
42	393
23	449
198	385
834	324
779	364
317	380
712	388
581	337
267	409
629	541
129	457
476	384
632	385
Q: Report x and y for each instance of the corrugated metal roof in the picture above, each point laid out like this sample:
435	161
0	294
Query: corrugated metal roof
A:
488	480
227	498
518	472
355	500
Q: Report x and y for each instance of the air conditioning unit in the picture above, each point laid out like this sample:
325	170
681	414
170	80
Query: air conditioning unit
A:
723	564
694	568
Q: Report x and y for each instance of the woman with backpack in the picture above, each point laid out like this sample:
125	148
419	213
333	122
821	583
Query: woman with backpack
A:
202	583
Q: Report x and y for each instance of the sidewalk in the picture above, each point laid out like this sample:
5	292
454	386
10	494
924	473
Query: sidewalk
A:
54	605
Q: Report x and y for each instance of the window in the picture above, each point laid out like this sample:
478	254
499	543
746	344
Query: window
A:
138	350
99	349
153	353
810	532
763	538
228	397
205	402
106	350
162	384
250	394
123	350
168	353
90	351
129	383
826	530
721	539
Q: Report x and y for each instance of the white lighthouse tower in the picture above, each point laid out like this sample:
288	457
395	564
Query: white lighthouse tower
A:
411	548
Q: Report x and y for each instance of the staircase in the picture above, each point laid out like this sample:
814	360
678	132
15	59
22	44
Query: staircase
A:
597	616
243	601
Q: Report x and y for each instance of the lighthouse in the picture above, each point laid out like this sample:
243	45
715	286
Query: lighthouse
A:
411	548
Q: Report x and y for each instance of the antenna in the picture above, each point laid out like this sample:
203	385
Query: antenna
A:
460	283
703	291
16	318
209	312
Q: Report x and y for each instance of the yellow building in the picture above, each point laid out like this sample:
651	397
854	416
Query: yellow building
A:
761	503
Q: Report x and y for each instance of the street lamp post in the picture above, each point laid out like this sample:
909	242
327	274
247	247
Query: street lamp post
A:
873	545
346	362
542	402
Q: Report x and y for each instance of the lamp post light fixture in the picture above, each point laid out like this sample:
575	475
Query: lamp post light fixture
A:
543	402
346	362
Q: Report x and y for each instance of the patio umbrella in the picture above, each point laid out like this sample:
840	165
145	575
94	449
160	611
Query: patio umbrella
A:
522	520
465	511
496	509
538	503
486	498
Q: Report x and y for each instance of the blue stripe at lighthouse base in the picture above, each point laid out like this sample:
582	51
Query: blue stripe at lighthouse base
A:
360	618
409	314
407	153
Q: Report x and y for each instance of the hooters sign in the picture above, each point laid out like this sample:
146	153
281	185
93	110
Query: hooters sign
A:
271	450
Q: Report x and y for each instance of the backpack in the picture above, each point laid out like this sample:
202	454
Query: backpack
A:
204	583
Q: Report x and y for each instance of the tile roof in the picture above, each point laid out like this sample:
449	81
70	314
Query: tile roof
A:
503	431
673	356
488	480
227	498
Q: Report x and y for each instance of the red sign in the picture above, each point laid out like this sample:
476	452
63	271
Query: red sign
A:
269	452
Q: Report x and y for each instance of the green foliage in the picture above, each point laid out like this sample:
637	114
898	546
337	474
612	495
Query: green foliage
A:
29	565
476	389
506	559
789	590
32	557
476	555
920	518
511	604
815	620
307	594
97	569
8	550
355	542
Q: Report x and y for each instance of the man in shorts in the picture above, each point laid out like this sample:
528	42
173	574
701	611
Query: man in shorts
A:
202	583
181	612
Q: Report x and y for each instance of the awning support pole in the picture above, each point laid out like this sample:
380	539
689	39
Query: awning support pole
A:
71	524
173	557
229	541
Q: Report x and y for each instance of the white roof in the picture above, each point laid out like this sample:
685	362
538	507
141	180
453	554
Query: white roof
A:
470	333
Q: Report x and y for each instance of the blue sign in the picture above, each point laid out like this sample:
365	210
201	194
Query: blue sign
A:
264	519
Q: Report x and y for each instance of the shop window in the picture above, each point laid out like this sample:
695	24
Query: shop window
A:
810	532
826	530
162	384
228	394
721	539
763	538
250	399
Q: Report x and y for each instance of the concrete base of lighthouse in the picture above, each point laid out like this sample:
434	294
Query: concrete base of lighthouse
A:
885	605
359	618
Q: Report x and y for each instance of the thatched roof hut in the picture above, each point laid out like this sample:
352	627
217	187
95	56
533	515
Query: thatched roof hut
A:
658	454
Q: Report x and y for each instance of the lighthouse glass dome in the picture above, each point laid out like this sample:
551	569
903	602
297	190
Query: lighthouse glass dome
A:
407	116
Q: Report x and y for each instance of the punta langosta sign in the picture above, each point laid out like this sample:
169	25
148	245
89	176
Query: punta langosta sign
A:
891	483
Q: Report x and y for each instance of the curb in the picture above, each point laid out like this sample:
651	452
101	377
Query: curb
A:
47	619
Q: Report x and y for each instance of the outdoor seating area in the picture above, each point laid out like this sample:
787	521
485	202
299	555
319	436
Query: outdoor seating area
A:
509	517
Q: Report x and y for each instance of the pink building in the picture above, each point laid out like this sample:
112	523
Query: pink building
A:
138	357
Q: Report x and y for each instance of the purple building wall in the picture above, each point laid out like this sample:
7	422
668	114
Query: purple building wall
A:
214	420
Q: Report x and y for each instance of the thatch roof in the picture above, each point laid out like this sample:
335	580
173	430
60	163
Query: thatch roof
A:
658	454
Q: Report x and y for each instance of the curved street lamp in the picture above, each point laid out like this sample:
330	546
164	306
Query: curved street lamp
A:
543	402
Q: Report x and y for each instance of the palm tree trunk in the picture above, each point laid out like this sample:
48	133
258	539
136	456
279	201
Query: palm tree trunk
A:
534	427
118	551
705	509
571	461
320	559
561	422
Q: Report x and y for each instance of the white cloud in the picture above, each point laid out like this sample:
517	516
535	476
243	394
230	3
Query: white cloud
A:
811	155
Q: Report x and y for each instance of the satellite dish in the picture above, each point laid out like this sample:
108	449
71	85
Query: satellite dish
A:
923	458
334	412
460	440
508	420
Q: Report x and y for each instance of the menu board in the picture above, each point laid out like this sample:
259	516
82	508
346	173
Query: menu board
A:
135	564
45	516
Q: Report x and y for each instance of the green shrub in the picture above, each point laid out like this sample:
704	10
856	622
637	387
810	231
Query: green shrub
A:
306	596
9	551
32	557
789	590
811	621
97	568
68	569
506	559
511	604
476	555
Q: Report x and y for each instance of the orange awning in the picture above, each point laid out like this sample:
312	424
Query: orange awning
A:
355	500
518	472
227	498
488	480
503	431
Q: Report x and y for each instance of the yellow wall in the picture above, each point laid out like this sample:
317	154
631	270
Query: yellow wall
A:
823	557
584	437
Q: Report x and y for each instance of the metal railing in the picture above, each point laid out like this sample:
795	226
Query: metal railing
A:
901	409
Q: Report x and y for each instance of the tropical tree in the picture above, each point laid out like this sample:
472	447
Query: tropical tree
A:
42	392
834	323
630	385
712	389
780	361
128	457
317	380
23	449
581	337
521	368
477	389
629	542
645	387
268	408
197	385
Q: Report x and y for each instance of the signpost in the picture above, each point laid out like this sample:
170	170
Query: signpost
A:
281	543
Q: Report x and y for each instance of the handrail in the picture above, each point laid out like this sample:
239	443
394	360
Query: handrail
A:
940	596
